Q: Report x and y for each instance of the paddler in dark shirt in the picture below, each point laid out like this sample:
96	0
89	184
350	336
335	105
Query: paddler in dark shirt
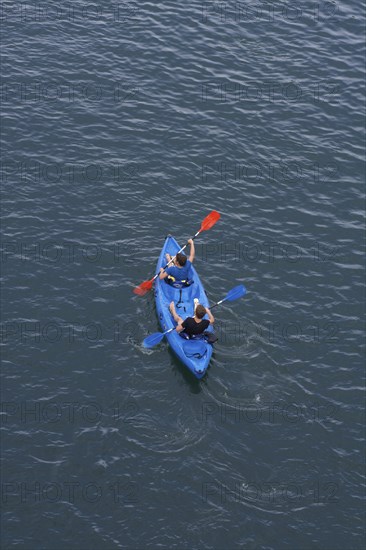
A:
193	325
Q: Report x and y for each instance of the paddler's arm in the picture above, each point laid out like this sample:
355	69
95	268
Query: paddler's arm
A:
192	252
176	317
211	318
162	273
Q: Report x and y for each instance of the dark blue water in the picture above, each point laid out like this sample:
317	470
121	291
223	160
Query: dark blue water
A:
125	122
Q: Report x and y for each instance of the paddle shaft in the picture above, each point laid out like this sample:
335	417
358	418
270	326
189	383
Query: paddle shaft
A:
217	304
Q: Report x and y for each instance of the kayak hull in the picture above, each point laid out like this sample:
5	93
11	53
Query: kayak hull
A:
184	304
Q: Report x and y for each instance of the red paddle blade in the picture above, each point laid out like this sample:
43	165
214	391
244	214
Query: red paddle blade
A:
210	220
143	288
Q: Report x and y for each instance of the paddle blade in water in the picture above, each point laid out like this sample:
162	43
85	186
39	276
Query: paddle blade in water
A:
153	339
143	288
210	220
235	293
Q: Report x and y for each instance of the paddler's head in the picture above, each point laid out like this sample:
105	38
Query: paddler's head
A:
181	259
200	311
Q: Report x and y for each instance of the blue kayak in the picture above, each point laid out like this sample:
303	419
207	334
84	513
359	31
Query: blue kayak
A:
195	354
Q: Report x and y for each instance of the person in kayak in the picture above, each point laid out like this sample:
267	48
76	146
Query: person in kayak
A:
180	270
193	326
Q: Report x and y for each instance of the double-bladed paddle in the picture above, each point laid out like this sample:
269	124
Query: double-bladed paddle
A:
232	295
206	224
